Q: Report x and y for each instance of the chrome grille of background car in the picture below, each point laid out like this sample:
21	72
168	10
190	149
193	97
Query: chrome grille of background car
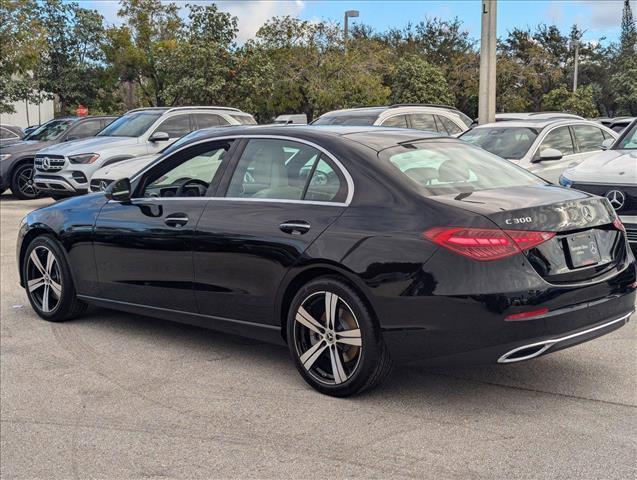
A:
98	185
627	194
632	234
49	163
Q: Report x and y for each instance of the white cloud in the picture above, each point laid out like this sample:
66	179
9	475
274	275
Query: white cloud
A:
252	14
604	14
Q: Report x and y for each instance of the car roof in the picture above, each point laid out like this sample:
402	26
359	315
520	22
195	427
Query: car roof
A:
537	123
377	138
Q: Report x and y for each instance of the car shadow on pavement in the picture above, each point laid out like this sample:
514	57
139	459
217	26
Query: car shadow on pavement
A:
568	375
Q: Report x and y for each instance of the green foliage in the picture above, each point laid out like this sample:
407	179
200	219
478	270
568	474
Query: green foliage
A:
579	102
417	81
166	54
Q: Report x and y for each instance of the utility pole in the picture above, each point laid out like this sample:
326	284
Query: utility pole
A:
575	44
348	14
488	39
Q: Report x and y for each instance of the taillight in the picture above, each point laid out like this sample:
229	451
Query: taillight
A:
486	243
617	223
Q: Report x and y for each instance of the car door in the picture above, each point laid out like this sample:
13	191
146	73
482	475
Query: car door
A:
281	195
176	126
561	139
143	248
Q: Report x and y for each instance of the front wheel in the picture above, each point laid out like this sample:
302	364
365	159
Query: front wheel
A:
22	182
333	339
48	281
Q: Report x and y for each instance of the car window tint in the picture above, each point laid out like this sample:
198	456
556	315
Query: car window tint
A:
89	128
176	126
559	139
269	168
629	141
207	120
399	121
191	177
347	119
506	142
588	138
423	121
441	169
325	184
449	125
6	133
244	119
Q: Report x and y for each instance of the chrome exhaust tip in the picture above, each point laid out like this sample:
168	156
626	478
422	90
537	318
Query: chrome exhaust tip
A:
532	350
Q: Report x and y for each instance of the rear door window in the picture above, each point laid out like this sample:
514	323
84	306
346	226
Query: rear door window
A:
88	128
208	120
588	138
175	126
423	121
451	127
399	121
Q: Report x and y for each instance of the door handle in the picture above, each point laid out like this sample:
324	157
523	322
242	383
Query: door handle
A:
176	220
295	227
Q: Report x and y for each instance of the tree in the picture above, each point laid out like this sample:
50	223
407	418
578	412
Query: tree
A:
579	102
624	81
21	40
313	72
417	81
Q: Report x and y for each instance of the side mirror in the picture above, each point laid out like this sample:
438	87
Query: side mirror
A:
159	137
606	144
550	154
119	191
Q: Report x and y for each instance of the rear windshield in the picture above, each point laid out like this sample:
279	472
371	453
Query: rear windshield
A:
629	140
49	131
131	125
449	168
244	119
354	120
511	142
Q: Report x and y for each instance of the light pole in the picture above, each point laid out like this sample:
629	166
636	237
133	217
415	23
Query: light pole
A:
575	44
348	14
486	100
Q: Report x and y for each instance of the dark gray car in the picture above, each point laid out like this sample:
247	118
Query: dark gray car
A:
10	134
16	160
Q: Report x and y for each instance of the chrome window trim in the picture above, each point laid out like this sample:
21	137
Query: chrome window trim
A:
339	165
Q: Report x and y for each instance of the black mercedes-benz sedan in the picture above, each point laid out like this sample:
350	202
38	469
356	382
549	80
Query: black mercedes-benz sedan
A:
355	246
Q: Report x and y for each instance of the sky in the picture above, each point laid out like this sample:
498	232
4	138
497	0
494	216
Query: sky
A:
599	18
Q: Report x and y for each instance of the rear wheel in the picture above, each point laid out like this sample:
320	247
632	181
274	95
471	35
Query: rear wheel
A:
22	183
48	281
333	340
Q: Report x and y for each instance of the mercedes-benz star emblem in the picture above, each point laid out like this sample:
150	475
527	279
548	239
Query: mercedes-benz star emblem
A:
617	198
103	185
588	215
46	163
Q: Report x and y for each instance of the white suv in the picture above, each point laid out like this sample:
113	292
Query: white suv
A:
66	169
443	119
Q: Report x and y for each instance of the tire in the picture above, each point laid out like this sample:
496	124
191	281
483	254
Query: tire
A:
22	185
334	363
50	276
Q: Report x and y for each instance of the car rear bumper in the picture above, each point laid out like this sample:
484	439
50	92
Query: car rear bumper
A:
459	342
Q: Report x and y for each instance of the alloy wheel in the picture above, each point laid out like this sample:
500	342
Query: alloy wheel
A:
25	182
44	282
327	338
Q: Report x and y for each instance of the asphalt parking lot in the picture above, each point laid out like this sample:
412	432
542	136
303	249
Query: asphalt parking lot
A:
113	395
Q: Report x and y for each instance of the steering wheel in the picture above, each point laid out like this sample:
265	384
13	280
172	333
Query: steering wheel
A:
200	185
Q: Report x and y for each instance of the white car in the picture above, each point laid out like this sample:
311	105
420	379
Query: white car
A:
66	169
545	147
612	174
103	177
443	119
